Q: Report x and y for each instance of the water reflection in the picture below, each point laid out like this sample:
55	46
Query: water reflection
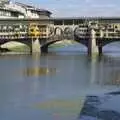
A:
35	69
38	71
105	71
53	84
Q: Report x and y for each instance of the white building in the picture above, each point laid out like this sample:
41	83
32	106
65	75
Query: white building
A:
20	10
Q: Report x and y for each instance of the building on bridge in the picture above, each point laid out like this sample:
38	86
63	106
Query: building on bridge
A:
20	21
35	27
20	10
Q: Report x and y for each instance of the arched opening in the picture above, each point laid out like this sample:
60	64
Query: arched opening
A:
112	48
77	31
68	43
80	32
67	46
51	31
15	46
58	31
68	33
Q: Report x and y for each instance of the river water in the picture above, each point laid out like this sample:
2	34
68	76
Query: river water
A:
53	86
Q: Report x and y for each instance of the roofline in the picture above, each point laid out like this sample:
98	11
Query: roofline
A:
40	10
85	18
32	7
11	10
65	18
24	19
22	4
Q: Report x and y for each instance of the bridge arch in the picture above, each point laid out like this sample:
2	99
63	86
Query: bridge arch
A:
111	48
68	33
61	33
68	30
77	31
44	47
51	31
58	31
78	36
27	42
106	41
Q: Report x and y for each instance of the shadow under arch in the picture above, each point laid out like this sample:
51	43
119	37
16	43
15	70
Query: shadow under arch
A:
44	47
79	39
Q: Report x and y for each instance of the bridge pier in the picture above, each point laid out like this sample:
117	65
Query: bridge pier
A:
35	47
44	49
100	50
92	46
100	41
0	49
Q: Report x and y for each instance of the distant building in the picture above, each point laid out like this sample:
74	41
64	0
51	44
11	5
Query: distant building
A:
20	10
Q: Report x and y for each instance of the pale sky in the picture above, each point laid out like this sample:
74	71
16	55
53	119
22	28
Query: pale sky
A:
78	8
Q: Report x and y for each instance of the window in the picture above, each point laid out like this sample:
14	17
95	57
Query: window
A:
14	14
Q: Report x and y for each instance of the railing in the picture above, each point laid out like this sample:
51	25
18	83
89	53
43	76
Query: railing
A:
34	32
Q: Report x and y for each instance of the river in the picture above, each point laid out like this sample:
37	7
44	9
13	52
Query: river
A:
53	86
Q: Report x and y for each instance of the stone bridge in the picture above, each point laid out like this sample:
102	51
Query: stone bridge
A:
38	34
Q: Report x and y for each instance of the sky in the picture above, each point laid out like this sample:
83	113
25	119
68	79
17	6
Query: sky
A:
78	8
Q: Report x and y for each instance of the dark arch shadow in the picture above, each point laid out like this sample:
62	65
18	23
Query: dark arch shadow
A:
77	37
